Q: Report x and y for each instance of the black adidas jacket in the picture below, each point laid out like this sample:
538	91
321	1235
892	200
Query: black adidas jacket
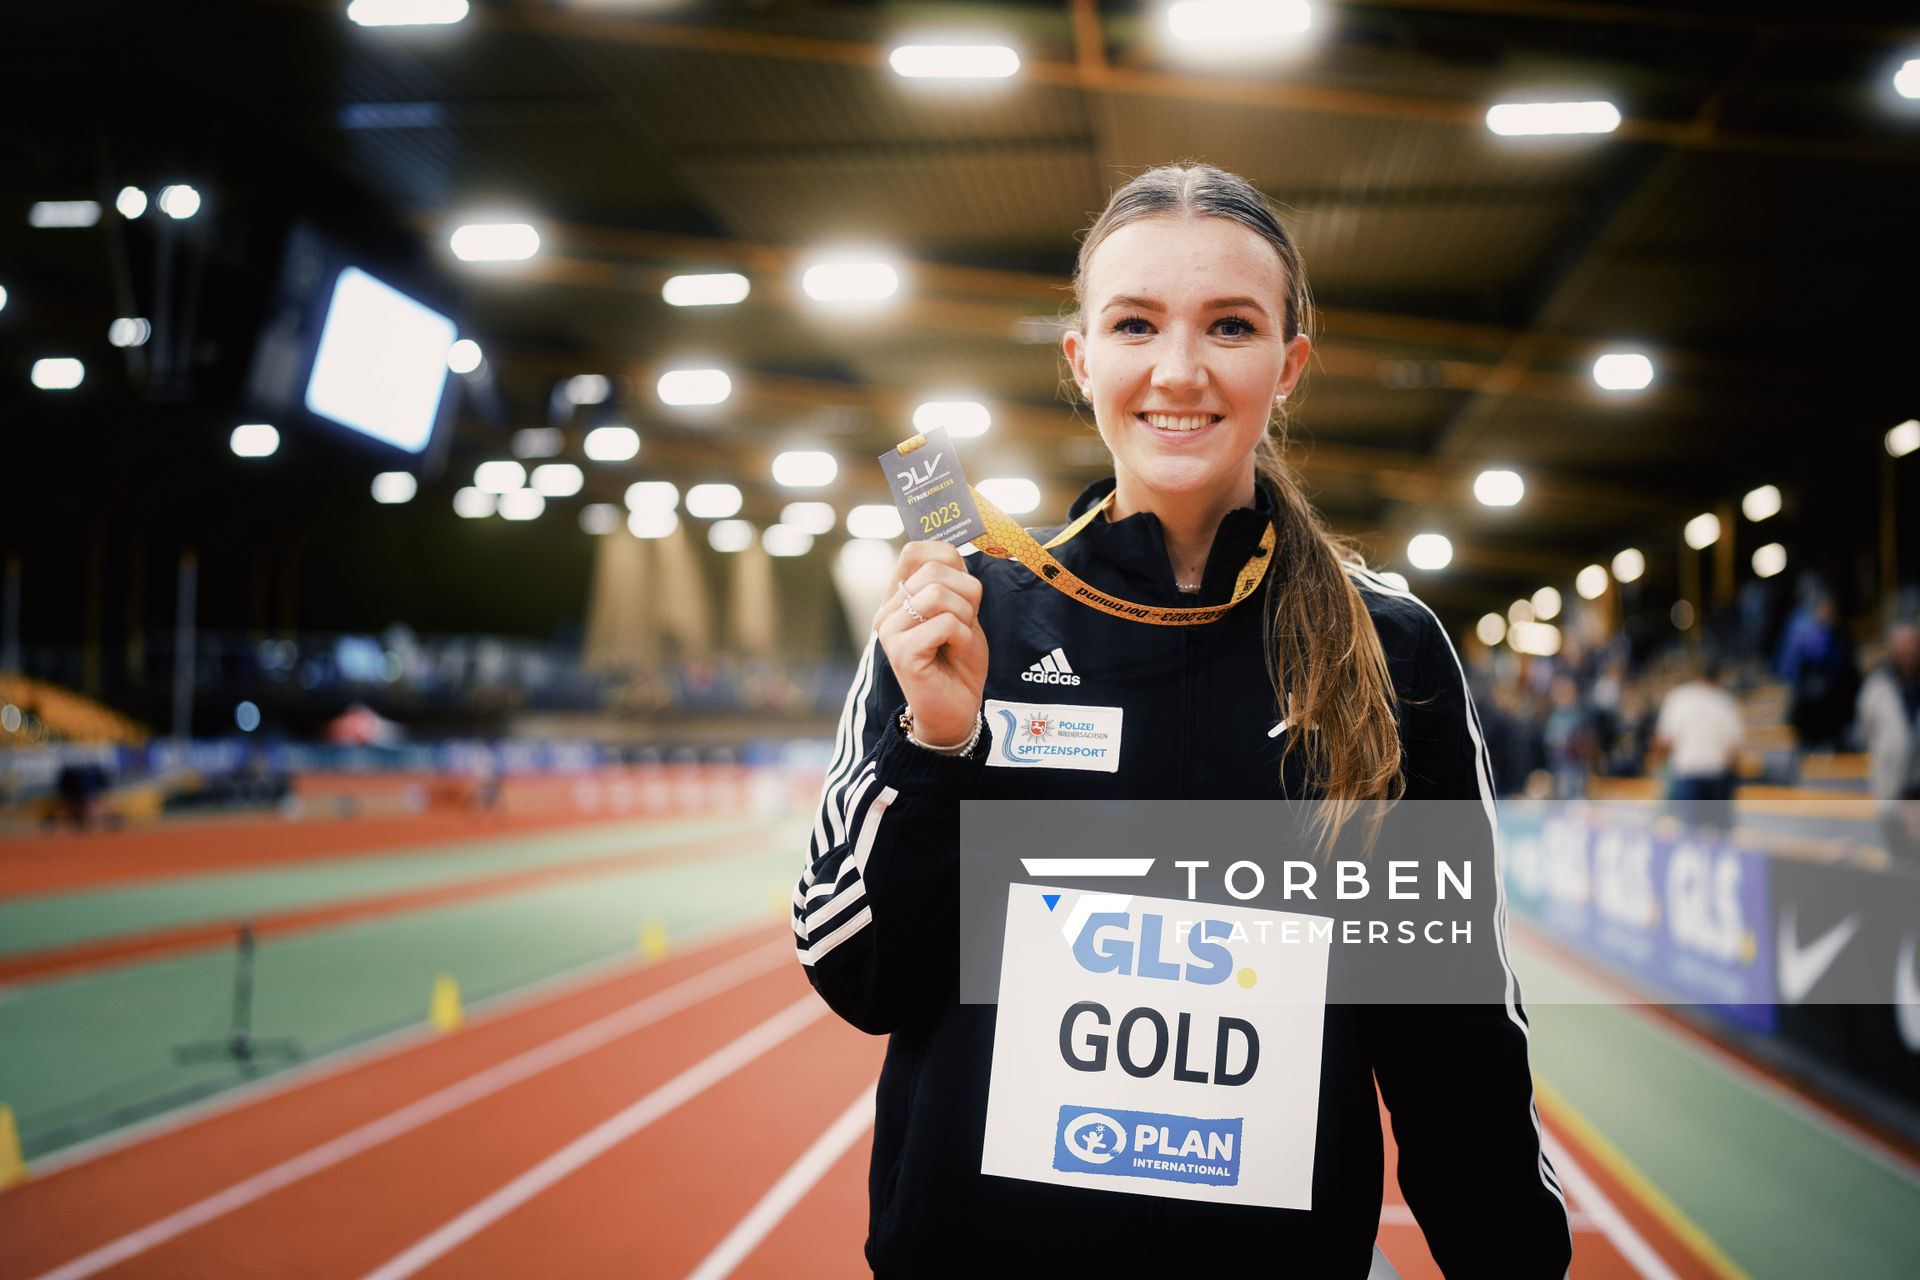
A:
876	920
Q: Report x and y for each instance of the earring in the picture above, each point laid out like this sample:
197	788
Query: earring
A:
1281	398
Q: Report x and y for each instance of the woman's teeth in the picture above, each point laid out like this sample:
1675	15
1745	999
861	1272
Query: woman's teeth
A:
1179	421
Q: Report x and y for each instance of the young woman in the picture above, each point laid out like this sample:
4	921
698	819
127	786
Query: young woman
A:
1191	334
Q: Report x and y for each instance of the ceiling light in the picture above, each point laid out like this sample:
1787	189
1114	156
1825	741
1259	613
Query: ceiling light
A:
954	61
1591	582
1623	371
537	442
713	501
612	444
3	297
501	476
179	201
1769	560
722	289
653	524
599	518
1498	488
522	504
1702	531
1681	615
254	440
1761	503
804	469
129	331
850	281
785	540
406	13
694	386
815	517
131	202
557	479
464	356
1429	551
1629	565
652	496
730	536
864	560
471	504
1520	611
1237	21
50	214
1015	495
391	488
875	520
1904	439
58	373
961	418
1906	81
494	242
1537	639
1535	119
587	388
1492	629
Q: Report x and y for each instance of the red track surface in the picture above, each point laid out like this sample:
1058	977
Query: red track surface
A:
653	1205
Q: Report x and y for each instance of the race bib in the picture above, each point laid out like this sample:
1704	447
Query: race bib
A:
1158	1047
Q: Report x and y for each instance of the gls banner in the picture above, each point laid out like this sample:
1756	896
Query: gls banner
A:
1158	1046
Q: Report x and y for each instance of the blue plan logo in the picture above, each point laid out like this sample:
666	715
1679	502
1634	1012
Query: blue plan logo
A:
1147	1144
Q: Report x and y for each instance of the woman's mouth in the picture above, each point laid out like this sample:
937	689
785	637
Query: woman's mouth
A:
1178	422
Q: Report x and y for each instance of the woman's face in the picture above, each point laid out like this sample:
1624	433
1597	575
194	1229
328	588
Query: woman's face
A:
1182	355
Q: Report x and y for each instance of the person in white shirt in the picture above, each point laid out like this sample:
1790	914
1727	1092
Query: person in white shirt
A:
1701	731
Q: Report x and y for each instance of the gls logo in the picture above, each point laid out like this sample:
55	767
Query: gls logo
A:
914	476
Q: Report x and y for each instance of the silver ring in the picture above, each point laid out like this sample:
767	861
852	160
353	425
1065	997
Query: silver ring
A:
906	602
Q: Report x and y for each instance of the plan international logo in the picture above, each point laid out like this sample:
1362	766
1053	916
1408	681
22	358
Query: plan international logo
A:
1148	1144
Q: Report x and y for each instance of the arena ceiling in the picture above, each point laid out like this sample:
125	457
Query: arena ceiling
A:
1748	227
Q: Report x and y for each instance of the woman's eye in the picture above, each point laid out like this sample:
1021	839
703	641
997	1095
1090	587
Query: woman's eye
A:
1234	327
1132	327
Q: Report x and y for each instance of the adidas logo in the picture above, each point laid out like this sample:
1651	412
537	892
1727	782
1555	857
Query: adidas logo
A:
1052	669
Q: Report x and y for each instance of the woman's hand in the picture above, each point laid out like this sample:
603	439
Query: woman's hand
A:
939	657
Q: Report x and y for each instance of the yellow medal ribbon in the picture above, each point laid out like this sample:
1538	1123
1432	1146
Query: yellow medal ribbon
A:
1005	539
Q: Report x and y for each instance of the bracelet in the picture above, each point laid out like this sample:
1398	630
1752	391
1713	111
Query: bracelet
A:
960	749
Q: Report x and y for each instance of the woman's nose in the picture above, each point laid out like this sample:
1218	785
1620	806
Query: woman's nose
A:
1180	366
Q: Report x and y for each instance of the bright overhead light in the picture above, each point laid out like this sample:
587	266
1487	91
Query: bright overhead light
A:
1702	531
875	520
3	297
1769	560
1238	21
867	560
391	488
1906	81
52	214
464	356
599	518
1623	371
494	242
785	540
954	61
815	517
179	201
499	476
1429	551
131	202
129	331
522	504
694	386
406	13
1546	604
1520	611
471	504
730	536
1904	439
721	289
713	501
961	418
1537	639
804	469
587	388
1015	495
850	281
612	444
1492	629
1629	565
1393	579
653	524
557	479
1537	119
652	496
1761	504
254	440
1499	488
58	373
1591	582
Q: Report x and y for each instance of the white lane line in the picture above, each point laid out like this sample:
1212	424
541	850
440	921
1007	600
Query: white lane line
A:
482	1084
603	1137
789	1191
1632	1245
1398	1215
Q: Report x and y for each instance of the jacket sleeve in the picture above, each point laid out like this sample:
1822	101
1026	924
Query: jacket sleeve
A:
1454	1075
876	912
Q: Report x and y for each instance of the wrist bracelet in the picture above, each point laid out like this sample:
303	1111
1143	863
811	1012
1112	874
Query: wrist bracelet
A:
958	749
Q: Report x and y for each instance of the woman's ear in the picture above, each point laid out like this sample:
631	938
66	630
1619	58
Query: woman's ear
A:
1074	343
1299	347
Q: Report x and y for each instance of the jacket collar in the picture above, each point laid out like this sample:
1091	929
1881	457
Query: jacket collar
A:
1135	548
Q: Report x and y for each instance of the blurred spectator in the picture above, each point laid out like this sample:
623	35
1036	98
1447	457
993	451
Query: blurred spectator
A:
1701	730
1625	754
1815	662
1889	714
1568	738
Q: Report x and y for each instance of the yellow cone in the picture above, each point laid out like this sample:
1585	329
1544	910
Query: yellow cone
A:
444	1010
654	944
13	1166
